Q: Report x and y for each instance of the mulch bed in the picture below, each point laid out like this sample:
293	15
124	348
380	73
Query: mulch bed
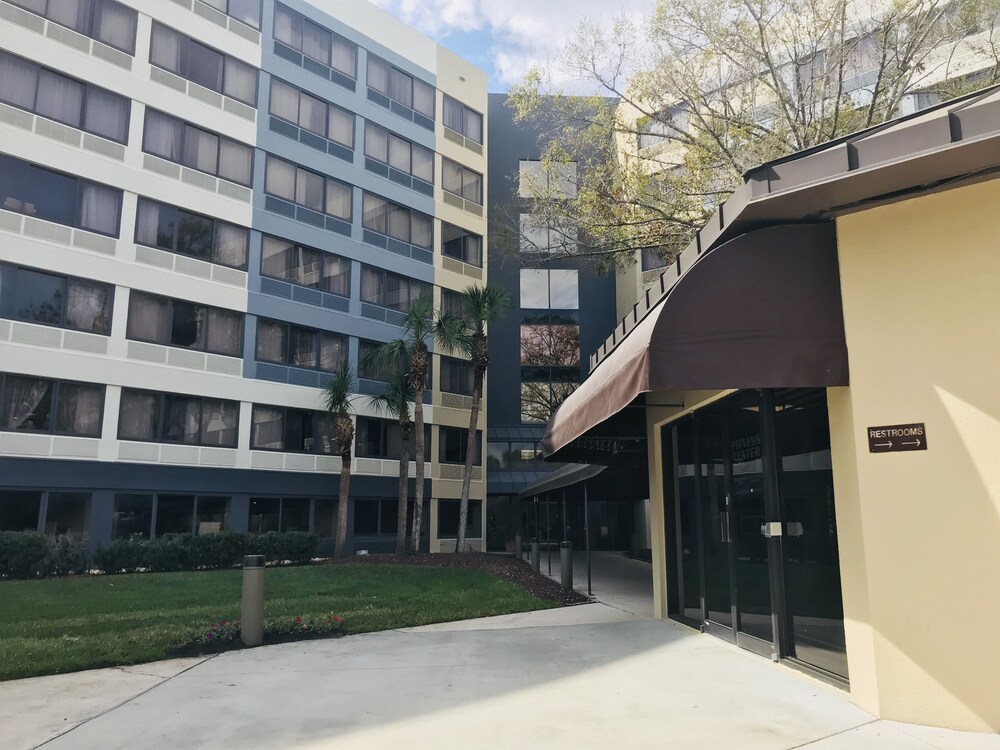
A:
507	567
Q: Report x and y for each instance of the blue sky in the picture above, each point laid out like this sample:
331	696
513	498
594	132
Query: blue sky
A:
506	37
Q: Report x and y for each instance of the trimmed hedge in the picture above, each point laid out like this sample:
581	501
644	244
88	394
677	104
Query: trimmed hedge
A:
29	555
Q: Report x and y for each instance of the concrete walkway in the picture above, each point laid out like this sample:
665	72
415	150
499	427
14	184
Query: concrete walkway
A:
579	677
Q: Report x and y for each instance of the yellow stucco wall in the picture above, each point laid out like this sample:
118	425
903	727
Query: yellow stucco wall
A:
920	532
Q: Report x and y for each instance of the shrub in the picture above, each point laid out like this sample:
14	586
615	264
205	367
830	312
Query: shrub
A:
22	553
209	552
65	557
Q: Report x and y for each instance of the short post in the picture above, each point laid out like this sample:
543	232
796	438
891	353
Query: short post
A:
517	546
252	617
536	555
566	560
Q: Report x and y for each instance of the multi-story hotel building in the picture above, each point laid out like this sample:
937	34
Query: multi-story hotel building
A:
206	207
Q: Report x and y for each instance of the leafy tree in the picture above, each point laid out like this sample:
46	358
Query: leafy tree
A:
412	352
481	305
338	398
691	96
394	402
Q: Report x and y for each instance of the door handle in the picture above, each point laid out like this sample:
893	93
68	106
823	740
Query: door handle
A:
770	529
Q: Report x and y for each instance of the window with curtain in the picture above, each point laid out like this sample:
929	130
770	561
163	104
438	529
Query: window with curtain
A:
46	194
203	65
298	346
386	289
399	153
80	105
106	21
310	113
173	322
457	376
174	418
401	87
461	245
462	119
51	299
293	29
401	223
382	438
291	430
296	264
247	11
60	407
180	142
179	231
462	181
308	189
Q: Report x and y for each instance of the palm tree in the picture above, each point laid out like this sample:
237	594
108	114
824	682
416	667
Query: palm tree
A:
482	305
412	348
338	397
394	402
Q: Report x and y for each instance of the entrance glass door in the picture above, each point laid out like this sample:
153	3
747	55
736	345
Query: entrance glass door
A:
749	546
717	520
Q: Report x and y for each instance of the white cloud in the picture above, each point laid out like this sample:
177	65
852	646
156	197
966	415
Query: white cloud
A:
523	32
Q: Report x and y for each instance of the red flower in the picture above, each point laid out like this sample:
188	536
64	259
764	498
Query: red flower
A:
298	619
338	618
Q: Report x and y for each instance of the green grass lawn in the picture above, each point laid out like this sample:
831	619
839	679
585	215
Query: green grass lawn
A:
68	624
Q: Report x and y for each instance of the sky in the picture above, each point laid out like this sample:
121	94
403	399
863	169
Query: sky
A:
506	37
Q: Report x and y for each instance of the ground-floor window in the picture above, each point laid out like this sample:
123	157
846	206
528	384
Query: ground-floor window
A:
56	514
448	512
282	514
146	515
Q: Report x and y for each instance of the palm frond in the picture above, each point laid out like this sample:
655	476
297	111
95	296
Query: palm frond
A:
453	333
484	304
389	358
339	392
394	401
418	323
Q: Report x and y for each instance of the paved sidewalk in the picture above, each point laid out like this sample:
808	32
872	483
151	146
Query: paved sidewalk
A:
579	677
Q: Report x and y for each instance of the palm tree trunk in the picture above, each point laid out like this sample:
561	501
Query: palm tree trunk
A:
342	501
404	475
418	425
470	452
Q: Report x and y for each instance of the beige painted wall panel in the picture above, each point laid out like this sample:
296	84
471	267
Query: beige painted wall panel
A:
921	288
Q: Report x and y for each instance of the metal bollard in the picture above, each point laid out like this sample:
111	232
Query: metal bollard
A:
536	555
566	560
252	618
517	547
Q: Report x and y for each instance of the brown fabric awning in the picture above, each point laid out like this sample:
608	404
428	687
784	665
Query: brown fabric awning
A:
762	310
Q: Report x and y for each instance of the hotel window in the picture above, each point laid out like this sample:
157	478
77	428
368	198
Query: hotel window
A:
46	93
461	244
399	153
187	233
190	514
174	322
308	189
448	516
400	223
314	41
454	446
54	300
276	428
387	289
287	344
297	264
651	259
59	407
310	113
247	11
546	343
457	376
538	236
106	21
382	438
558	179
401	87
462	181
203	65
452	303
171	418
549	289
281	514
59	198
463	120
192	147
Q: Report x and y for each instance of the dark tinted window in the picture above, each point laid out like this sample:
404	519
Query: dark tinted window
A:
67	302
173	418
61	407
174	229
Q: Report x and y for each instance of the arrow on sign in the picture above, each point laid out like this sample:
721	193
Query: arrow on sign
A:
913	443
884	445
